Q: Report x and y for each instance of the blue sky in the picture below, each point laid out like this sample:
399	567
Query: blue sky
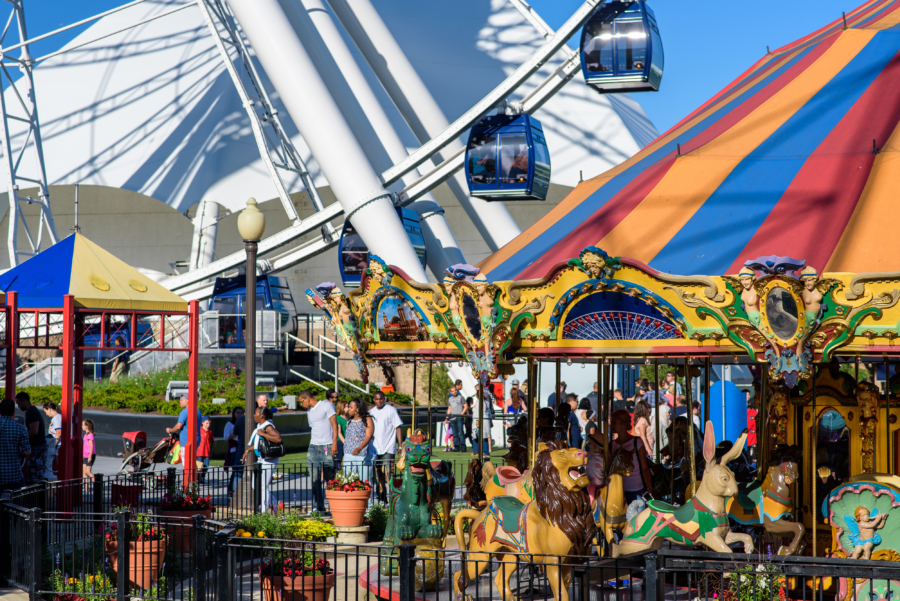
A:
708	43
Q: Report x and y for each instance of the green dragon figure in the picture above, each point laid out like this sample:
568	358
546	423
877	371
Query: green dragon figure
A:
414	498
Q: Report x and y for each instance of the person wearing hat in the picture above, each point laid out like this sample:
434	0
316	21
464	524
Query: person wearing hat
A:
812	298
749	297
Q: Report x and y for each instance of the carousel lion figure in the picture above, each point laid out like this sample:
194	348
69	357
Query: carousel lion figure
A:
557	523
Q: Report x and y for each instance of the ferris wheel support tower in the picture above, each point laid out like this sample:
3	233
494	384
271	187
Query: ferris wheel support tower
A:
419	108
355	183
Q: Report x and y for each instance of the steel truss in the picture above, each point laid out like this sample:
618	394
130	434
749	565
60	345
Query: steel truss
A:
24	115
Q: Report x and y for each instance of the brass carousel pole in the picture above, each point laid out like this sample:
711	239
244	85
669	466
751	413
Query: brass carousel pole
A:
603	409
657	456
706	396
812	473
887	419
533	391
480	420
762	436
690	416
558	387
430	423
414	404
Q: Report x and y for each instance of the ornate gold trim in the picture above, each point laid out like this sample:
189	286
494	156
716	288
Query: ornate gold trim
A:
857	287
710	290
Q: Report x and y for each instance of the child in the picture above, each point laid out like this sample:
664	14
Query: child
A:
90	451
203	451
448	436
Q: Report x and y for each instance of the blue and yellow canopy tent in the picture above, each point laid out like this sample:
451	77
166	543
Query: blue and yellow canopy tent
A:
75	297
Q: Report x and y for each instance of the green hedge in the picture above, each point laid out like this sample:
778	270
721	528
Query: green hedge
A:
145	393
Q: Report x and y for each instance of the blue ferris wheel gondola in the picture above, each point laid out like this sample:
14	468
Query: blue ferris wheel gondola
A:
621	49
353	253
507	159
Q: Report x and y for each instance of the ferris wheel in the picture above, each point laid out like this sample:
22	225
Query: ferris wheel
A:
506	158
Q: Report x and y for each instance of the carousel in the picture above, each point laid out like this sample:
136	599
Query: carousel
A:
776	182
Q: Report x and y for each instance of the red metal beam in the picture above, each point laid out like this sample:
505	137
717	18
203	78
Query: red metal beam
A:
68	463
12	338
190	454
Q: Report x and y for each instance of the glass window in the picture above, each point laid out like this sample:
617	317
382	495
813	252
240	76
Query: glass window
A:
513	159
631	46
541	153
482	160
598	47
354	254
226	306
657	57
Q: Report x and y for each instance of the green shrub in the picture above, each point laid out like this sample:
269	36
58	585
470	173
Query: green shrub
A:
377	517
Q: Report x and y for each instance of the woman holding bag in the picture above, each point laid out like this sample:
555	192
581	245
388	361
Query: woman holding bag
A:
266	443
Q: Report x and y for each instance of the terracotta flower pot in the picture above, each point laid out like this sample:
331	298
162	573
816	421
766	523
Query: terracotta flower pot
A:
298	588
145	558
179	528
348	508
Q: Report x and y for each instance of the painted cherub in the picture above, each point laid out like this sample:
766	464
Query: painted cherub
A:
862	531
749	297
812	296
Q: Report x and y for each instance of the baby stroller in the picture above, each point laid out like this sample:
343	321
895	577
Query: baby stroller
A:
139	458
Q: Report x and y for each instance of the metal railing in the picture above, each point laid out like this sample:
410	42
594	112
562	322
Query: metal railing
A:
320	350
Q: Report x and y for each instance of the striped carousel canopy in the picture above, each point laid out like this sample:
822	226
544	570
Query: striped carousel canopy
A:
799	157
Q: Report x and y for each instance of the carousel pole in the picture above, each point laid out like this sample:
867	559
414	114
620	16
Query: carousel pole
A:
762	437
480	420
706	395
430	423
558	387
812	473
657	456
887	419
532	410
599	417
690	416
413	428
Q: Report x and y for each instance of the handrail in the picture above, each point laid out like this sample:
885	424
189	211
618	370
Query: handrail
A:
320	351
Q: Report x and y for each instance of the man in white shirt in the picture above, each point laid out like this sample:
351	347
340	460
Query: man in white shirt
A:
386	438
322	444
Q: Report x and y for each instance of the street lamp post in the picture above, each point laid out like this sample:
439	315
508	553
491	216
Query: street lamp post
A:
251	225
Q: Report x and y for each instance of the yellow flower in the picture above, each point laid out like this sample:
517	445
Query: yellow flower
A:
240	532
246	534
261	534
72	581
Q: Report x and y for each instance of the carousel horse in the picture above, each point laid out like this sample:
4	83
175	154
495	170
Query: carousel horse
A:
769	503
609	502
701	521
556	524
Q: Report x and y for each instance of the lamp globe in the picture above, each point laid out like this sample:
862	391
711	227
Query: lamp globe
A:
251	222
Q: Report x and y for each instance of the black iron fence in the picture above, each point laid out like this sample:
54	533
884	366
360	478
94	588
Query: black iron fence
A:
282	486
126	554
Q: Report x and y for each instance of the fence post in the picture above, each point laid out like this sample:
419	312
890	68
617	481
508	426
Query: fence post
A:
35	585
198	558
98	493
407	568
5	543
170	478
650	580
122	569
257	488
220	551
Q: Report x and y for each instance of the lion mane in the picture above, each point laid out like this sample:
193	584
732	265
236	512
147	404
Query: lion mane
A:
567	510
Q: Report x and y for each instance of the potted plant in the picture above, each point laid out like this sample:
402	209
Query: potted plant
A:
297	577
179	507
146	550
348	497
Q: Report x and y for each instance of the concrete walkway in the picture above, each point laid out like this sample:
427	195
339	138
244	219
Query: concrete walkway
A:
12	594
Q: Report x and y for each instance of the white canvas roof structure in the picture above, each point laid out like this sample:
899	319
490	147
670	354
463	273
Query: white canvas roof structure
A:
152	109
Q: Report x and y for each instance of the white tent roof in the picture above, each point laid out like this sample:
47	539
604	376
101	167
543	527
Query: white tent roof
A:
153	110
